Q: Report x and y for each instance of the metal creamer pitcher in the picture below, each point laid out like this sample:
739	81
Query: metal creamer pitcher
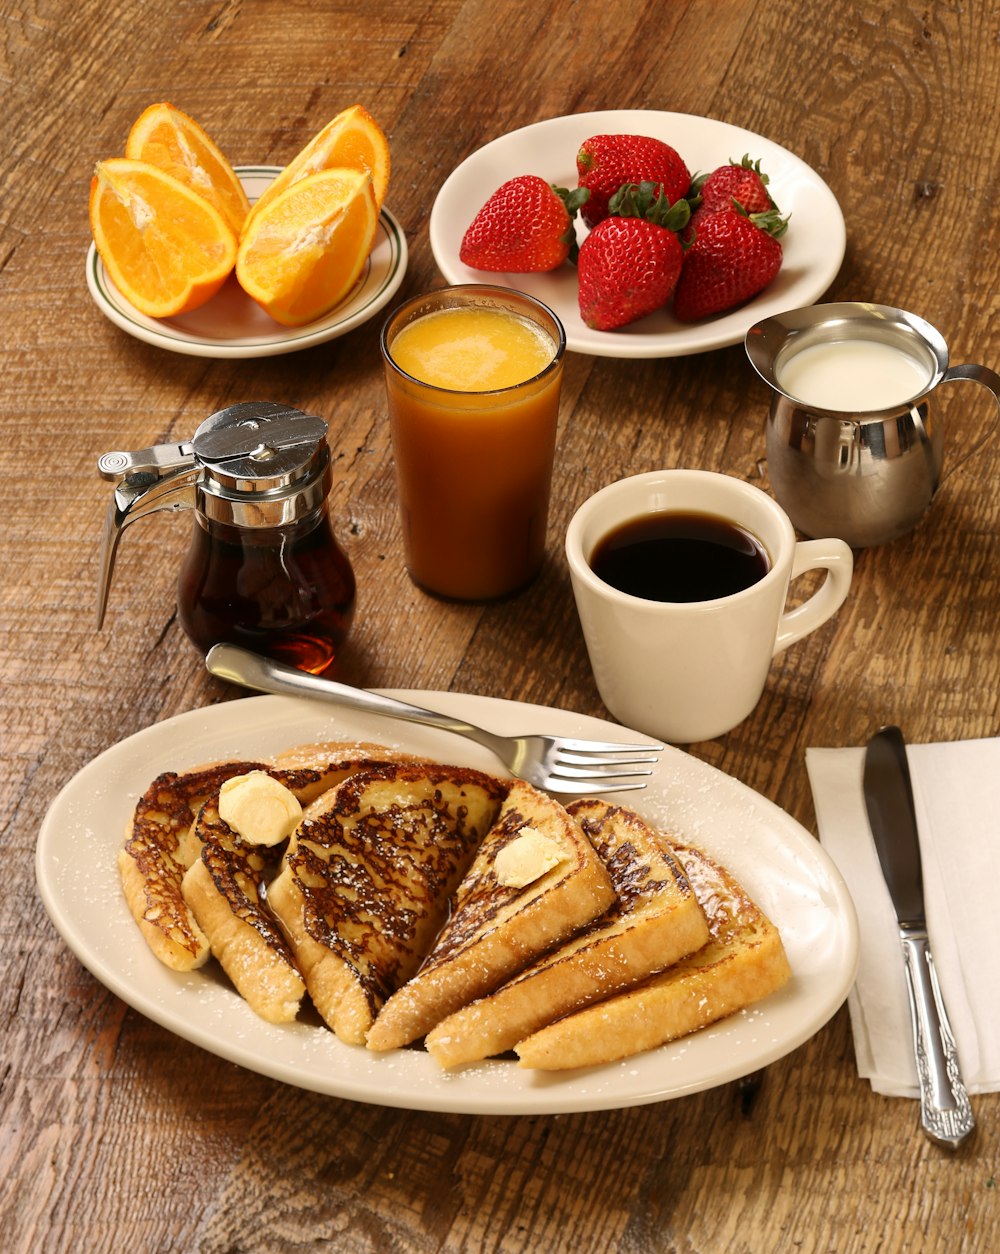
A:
861	456
263	569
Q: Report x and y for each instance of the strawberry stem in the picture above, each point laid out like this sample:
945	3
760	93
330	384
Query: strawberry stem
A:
649	200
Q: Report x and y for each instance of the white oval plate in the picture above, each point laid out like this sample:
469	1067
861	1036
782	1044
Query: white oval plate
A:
233	325
782	866
813	245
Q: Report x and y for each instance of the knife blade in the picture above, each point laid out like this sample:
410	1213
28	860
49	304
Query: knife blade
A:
945	1111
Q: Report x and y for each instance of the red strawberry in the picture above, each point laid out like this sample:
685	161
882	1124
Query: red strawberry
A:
607	162
629	263
733	257
526	225
743	183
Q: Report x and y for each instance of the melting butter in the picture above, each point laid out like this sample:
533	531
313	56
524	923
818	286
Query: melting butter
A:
526	858
259	808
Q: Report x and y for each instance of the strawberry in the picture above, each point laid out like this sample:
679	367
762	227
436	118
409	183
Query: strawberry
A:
743	182
742	185
526	225
732	258
630	262
607	162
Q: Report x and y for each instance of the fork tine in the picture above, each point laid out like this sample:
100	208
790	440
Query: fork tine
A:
557	785
605	746
596	772
580	759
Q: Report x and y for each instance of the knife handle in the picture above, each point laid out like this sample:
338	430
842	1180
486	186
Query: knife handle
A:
945	1112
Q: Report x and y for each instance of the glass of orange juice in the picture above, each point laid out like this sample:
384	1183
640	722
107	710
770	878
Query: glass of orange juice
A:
473	374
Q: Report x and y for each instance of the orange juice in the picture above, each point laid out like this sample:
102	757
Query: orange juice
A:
473	348
472	377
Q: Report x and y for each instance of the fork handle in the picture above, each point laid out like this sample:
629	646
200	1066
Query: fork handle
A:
264	674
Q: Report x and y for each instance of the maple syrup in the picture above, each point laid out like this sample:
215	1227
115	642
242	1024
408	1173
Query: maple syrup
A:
263	569
287	592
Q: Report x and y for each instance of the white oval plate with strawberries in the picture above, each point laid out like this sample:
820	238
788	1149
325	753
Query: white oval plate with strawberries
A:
231	324
813	244
783	868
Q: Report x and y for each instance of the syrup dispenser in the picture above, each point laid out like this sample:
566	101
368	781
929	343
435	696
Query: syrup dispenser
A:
263	569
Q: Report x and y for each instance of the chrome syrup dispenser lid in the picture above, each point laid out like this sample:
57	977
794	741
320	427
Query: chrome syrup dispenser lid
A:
257	464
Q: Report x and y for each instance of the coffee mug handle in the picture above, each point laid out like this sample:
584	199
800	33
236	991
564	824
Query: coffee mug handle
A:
836	558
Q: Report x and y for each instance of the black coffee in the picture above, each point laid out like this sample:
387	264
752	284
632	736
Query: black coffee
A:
682	556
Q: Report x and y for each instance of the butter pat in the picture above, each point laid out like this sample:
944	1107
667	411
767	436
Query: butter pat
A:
259	808
526	859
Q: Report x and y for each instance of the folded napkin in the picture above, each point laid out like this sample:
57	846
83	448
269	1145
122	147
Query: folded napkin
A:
956	793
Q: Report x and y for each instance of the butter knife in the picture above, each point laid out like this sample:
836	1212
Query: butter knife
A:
945	1112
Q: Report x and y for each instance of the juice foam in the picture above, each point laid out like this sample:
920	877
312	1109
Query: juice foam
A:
472	349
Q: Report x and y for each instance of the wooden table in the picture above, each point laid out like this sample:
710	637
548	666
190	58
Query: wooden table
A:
114	1133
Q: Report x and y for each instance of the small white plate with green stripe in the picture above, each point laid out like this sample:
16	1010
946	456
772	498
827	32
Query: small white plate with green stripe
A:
231	324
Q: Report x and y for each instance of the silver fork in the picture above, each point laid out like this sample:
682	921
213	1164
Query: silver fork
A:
554	763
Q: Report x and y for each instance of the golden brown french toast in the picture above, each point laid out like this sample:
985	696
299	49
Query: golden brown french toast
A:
655	920
159	848
160	842
502	919
365	884
331	761
224	887
743	962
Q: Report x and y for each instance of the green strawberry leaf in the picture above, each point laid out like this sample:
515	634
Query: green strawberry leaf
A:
572	198
647	200
770	220
748	163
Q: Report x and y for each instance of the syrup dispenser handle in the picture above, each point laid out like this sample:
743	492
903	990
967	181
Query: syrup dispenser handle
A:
161	478
154	462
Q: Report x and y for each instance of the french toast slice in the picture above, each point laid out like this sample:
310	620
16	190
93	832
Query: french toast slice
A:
366	881
655	921
225	889
226	885
331	761
496	928
159	847
160	841
743	962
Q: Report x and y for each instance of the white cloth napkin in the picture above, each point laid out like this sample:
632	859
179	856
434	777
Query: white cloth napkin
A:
956	793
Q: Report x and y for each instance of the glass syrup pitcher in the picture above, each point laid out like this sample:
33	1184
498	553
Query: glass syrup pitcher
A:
263	569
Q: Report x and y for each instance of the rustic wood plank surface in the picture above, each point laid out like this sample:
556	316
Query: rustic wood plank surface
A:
115	1134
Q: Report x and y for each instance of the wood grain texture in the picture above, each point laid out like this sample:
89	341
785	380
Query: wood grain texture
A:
114	1134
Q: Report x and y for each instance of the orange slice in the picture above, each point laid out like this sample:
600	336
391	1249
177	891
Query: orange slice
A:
302	254
166	248
164	136
353	140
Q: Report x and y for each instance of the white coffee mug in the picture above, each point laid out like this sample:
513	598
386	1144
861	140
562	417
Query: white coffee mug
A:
689	671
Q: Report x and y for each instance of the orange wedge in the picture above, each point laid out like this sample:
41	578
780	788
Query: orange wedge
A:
166	248
164	136
302	254
353	140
